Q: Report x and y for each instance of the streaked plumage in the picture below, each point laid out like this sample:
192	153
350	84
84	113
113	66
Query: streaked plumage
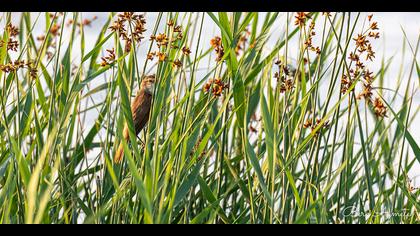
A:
140	109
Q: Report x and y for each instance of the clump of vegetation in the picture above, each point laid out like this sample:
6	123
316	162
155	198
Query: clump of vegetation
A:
302	130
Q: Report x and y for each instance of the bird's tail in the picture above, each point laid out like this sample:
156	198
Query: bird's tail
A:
120	151
119	154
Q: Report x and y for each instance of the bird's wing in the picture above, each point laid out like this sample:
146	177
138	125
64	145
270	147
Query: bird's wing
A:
140	110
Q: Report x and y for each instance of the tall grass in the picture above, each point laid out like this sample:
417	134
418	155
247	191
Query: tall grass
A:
257	149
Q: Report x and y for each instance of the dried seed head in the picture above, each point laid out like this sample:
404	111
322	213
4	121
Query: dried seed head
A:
243	39
374	35
186	51
366	93
150	56
374	26
379	108
13	31
170	23
216	86
109	58
161	40
178	29
308	123
177	63
300	18
40	38
162	56
127	47
361	40
55	30
216	43
33	72
12	45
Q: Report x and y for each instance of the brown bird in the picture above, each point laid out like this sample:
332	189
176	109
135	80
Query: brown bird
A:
140	109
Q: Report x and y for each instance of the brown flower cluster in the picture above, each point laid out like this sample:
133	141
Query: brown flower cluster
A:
49	55
13	30
362	43
216	86
346	83
13	67
40	37
55	28
109	58
367	86
216	43
283	77
243	39
177	63
363	47
54	31
136	28
379	108
12	44
308	42
84	22
310	124
33	71
162	41
54	16
301	18
160	55
186	51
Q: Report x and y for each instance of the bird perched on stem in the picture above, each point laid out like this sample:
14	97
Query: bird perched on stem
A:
140	108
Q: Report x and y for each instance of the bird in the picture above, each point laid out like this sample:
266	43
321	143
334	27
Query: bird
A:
140	109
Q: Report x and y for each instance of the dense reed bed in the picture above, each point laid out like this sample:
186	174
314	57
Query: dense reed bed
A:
302	130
